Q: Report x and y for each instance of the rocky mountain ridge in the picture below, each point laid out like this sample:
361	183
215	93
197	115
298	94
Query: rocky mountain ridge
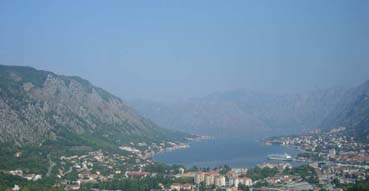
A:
352	113
39	106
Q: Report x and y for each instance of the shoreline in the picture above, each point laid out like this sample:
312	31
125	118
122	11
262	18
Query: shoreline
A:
177	146
238	161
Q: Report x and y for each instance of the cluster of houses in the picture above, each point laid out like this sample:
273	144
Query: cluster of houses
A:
29	177
280	165
136	174
179	186
210	178
344	173
84	166
144	151
282	179
332	155
233	178
137	156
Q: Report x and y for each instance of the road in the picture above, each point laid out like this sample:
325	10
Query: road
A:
51	165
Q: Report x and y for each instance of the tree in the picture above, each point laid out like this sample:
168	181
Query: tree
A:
202	186
243	187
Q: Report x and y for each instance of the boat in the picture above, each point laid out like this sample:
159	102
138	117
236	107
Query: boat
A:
281	157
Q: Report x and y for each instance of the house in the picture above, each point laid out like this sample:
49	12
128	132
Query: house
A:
181	170
72	187
135	174
186	186
16	188
18	154
179	186
219	181
199	177
176	186
243	180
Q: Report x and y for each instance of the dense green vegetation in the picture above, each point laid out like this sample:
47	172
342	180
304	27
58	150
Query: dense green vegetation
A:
162	168
260	173
24	74
243	187
311	155
93	141
358	186
305	171
8	181
224	169
183	180
33	159
131	184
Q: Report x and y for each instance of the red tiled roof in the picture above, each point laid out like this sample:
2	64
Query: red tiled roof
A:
137	174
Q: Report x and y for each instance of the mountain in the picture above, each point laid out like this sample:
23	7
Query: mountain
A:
352	112
243	113
40	107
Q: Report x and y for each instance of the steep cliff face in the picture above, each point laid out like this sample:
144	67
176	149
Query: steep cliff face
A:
352	112
39	106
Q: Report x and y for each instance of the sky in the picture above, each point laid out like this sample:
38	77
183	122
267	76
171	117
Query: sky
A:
178	49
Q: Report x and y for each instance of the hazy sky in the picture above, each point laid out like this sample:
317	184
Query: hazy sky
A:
171	49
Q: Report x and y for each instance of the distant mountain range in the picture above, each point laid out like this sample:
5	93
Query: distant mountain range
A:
244	113
39	107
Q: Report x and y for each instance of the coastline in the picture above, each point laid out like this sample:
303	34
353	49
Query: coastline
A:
177	146
238	153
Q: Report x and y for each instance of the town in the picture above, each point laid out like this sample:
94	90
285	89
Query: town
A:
326	160
336	159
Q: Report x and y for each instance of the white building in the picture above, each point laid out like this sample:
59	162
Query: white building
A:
199	177
332	153
181	170
236	181
209	180
219	181
16	188
245	181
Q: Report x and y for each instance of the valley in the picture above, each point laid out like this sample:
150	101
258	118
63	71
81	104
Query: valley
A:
63	133
241	95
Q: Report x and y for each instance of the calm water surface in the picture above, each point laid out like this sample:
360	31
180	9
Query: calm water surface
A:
233	152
